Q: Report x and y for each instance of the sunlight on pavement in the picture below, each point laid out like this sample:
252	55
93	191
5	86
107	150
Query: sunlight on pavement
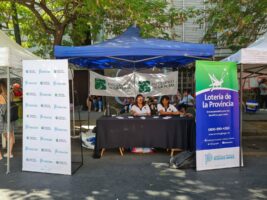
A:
258	193
157	193
166	171
7	194
90	198
182	197
132	196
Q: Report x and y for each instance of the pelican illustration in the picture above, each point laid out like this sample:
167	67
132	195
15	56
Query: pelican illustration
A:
215	83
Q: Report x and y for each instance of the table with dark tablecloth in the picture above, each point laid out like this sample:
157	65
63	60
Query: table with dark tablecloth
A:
161	132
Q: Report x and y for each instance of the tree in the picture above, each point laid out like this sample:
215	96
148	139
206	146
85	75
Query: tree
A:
234	23
16	23
53	16
45	22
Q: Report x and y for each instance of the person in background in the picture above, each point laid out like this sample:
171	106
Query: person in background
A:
100	103
187	100
263	93
17	92
153	105
176	99
189	113
165	108
3	124
140	108
97	102
131	103
89	102
125	104
17	97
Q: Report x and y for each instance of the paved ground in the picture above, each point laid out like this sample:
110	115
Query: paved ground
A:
258	116
136	177
143	176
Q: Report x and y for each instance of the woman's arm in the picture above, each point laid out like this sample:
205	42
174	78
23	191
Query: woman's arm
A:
2	100
161	112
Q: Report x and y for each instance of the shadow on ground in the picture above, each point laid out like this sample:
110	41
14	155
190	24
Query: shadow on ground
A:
135	177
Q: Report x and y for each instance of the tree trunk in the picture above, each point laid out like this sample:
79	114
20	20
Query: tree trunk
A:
88	39
58	36
16	23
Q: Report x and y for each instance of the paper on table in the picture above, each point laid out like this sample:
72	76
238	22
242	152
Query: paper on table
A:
167	117
156	117
142	118
119	117
130	117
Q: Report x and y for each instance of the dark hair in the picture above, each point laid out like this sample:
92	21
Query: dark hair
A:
187	91
139	95
164	97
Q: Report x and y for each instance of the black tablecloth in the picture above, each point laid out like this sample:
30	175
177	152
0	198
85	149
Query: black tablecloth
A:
176	132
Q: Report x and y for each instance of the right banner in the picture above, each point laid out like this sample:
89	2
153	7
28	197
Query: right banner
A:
217	115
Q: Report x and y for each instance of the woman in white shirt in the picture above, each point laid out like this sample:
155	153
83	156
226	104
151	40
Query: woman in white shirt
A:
165	108
140	108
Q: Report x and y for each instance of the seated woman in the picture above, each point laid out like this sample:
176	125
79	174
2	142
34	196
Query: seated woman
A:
140	108
165	108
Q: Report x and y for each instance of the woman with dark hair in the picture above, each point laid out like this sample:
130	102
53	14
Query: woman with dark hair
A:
3	109
165	108
140	108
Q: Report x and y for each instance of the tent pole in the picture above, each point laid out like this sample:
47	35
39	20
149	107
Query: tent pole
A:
177	84
8	120
73	102
89	96
241	162
182	83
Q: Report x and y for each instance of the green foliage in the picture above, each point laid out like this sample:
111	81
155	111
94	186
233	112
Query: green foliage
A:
80	22
234	23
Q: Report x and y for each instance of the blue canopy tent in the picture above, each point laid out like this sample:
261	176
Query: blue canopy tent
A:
129	50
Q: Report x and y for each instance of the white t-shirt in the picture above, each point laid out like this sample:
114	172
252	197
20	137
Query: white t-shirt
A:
171	108
143	111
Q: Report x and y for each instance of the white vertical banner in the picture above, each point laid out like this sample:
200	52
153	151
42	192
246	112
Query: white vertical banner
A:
46	117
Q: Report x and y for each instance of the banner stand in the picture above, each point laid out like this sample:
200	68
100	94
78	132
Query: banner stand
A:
78	163
218	143
241	161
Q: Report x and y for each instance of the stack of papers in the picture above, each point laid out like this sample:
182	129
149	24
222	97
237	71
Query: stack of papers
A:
119	117
167	117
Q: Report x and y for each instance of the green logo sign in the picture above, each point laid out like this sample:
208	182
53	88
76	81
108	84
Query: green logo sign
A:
212	74
100	84
144	86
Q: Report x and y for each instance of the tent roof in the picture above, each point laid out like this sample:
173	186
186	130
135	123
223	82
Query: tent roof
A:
129	50
254	57
12	54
